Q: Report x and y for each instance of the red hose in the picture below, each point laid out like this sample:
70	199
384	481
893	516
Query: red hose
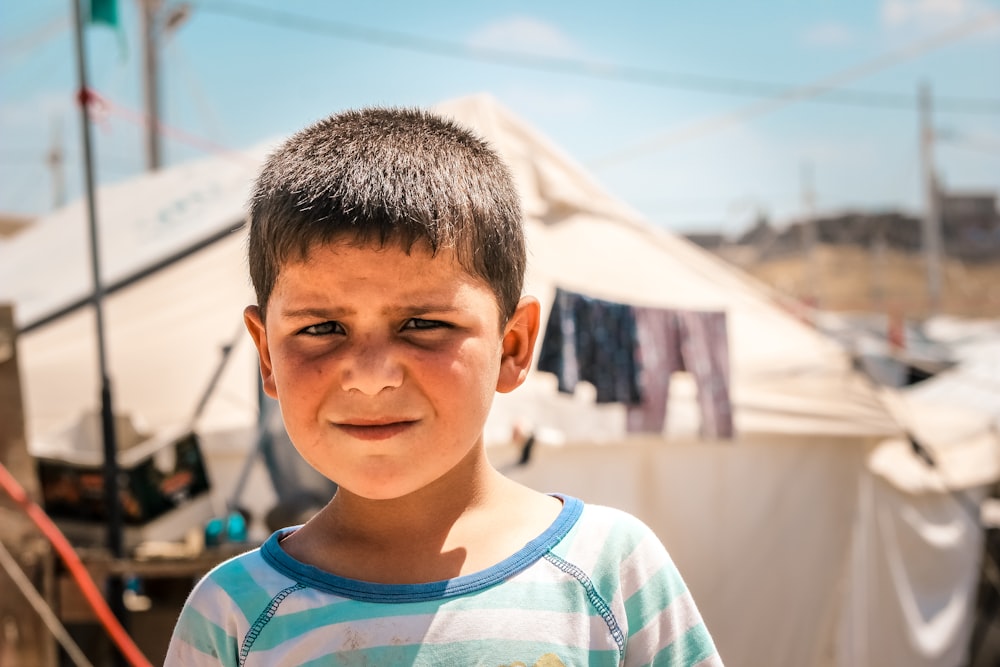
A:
75	566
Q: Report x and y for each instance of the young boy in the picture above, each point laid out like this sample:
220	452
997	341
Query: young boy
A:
387	254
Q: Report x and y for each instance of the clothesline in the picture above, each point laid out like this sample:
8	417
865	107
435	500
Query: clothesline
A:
629	354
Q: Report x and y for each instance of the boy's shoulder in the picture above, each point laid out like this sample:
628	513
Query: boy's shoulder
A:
609	535
243	572
612	515
620	522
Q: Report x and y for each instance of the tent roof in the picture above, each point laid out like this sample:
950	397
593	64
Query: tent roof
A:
953	416
142	222
955	413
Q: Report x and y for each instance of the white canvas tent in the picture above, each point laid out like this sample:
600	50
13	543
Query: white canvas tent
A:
176	283
918	539
768	529
172	270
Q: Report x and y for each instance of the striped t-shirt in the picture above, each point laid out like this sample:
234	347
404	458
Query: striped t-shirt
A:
596	588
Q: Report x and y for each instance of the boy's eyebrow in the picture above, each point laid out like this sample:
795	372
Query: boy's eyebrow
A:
314	313
334	313
429	307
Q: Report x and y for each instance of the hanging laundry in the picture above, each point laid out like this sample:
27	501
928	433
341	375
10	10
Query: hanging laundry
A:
592	340
682	340
705	351
658	332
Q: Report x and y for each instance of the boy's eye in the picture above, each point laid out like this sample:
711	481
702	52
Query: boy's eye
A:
323	329
419	324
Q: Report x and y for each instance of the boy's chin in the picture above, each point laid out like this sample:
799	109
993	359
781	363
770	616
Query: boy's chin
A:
375	492
396	491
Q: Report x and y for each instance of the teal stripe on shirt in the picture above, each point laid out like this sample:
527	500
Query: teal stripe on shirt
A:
242	588
642	607
514	597
690	649
210	638
524	595
621	538
527	653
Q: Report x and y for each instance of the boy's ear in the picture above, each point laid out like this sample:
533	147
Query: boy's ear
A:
519	344
255	325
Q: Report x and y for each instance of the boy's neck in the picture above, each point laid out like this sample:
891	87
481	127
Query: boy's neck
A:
460	524
423	515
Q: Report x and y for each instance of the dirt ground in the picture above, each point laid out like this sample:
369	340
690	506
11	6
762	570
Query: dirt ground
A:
850	278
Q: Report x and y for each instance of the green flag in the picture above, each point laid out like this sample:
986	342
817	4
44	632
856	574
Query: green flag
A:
104	11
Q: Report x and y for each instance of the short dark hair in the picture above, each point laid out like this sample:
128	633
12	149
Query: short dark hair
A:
388	175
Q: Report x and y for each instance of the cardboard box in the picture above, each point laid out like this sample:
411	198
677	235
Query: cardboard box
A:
158	477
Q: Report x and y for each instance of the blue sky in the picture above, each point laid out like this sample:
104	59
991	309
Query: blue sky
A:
664	102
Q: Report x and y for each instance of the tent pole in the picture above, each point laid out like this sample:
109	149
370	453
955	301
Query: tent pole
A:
115	584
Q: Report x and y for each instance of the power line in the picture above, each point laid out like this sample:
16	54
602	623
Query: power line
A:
577	67
800	93
17	47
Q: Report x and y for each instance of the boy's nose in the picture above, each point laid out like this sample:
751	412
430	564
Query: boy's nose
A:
370	368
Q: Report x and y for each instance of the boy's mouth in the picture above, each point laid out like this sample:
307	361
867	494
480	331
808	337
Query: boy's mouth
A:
381	429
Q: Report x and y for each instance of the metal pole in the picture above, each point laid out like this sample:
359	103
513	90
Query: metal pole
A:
879	290
55	159
932	205
149	11
115	587
810	238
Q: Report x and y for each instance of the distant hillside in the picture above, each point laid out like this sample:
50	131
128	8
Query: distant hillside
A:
873	260
850	277
969	229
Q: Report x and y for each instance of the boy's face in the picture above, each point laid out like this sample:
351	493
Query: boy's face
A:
385	363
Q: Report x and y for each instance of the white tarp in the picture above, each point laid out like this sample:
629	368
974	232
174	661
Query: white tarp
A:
952	417
918	537
912	577
973	382
959	447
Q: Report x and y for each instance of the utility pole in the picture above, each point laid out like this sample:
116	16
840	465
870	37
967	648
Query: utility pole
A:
149	13
932	204
56	161
810	238
878	290
115	534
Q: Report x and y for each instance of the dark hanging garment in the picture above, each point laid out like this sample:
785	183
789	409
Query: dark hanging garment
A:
592	340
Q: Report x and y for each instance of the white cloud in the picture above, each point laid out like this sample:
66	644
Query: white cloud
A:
901	12
523	33
909	18
828	34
